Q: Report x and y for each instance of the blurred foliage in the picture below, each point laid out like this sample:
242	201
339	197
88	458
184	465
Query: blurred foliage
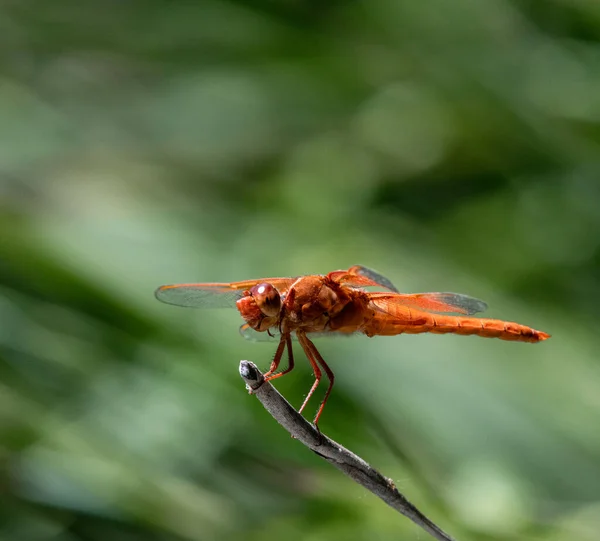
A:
450	145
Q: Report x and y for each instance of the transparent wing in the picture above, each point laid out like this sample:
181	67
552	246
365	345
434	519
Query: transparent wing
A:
449	303
254	336
359	276
214	295
199	295
372	275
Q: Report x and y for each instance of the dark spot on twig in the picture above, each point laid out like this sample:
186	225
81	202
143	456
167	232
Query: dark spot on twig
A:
248	371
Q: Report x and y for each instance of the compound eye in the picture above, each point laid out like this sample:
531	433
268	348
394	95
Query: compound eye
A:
267	298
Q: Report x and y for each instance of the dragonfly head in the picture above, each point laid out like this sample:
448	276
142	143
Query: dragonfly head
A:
260	302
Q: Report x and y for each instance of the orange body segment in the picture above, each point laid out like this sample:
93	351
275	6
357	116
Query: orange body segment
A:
410	321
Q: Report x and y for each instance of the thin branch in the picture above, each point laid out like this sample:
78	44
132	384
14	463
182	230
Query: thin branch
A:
340	457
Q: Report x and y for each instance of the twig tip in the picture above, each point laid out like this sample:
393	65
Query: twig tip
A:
251	375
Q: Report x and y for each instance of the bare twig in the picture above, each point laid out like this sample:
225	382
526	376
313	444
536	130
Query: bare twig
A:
343	459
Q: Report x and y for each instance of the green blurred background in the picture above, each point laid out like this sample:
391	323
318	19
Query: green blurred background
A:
452	146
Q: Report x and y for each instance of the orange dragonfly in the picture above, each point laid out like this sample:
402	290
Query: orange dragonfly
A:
337	303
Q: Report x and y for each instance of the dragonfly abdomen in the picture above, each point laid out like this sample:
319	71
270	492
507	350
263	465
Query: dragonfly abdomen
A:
415	322
488	328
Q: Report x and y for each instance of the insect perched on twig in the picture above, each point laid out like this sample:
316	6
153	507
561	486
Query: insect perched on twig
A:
338	303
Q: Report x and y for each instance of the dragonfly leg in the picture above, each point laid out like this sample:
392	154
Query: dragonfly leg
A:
319	359
286	340
317	371
315	360
276	358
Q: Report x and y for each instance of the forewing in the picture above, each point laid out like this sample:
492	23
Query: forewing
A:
359	276
215	295
199	295
445	303
374	276
254	336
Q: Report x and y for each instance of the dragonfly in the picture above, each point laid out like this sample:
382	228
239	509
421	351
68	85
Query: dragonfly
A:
341	302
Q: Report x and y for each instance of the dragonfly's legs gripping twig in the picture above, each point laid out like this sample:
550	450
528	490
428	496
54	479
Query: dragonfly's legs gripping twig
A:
319	359
317	371
286	340
276	358
315	360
